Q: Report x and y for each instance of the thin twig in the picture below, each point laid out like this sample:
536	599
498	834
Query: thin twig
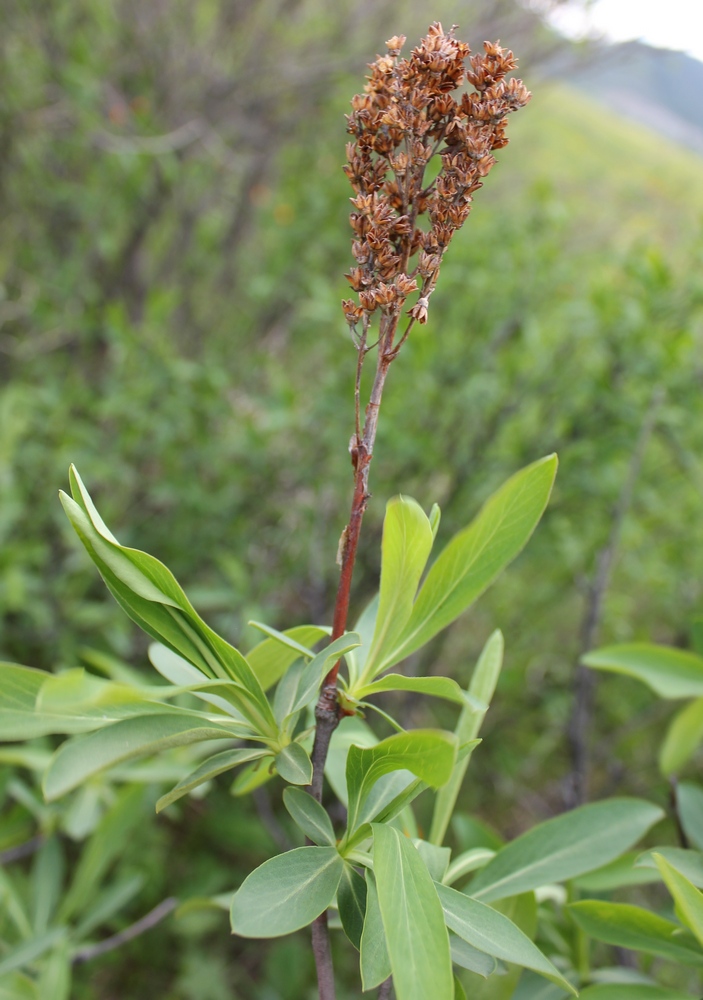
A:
385	991
24	850
576	789
148	921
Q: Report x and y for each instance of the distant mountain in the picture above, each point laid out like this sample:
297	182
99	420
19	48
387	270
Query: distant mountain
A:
656	87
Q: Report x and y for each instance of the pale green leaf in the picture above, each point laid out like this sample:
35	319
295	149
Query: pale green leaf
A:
351	730
55	978
429	754
101	850
374	962
566	847
406	545
209	769
632	927
435	687
351	901
436	858
294	765
616	874
495	934
416	936
82	757
683	738
636	991
670	673
312	675
689	901
270	659
689	803
481	688
151	595
475	557
689	863
469	861
24	954
467	957
286	893
309	816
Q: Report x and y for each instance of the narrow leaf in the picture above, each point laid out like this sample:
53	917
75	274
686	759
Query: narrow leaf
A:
495	934
670	673
82	757
416	936
637	991
209	769
294	765
475	557
407	541
435	687
374	962
689	802
351	900
467	957
286	893
632	927
309	816
565	847
689	863
270	659
682	739
427	753
481	689
689	901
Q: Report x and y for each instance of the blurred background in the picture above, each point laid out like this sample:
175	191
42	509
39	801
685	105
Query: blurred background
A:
172	260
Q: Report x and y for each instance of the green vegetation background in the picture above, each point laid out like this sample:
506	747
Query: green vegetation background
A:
170	322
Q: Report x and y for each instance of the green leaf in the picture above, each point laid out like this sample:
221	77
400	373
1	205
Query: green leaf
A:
351	730
565	847
689	803
428	753
294	765
55	978
286	893
670	673
209	769
351	900
481	689
16	986
82	757
636	991
19	687
689	901
47	883
467	957
435	687
309	816
104	846
475	557
152	597
270	659
108	903
495	934
469	861
436	858
632	927
407	541
689	863
28	951
459	992
682	739
416	937
312	675
615	874
374	962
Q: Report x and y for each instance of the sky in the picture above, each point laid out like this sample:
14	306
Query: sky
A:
669	24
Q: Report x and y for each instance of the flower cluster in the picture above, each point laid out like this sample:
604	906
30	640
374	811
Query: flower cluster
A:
405	117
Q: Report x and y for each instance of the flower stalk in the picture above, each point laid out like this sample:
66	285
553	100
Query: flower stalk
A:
403	220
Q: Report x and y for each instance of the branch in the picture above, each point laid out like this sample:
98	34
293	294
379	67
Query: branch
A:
148	921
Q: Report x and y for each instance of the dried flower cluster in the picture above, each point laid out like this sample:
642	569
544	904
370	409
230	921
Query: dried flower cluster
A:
405	116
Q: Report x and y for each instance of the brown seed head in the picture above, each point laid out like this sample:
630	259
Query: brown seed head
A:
405	116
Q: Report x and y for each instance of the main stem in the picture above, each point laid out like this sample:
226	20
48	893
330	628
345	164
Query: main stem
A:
327	710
